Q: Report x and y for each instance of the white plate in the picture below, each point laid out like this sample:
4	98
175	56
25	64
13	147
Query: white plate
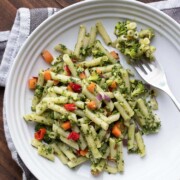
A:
163	150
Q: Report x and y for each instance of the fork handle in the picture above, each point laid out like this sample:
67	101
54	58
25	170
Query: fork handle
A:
168	91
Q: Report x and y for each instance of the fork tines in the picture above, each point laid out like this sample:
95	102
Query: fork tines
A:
143	65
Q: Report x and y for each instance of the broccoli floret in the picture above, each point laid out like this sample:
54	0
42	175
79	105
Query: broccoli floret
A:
85	51
94	77
97	53
135	45
47	139
131	53
120	28
139	89
80	69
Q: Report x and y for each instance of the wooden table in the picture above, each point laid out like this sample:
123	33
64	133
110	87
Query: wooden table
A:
8	168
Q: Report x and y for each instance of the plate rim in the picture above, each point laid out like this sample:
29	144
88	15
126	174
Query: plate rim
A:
66	9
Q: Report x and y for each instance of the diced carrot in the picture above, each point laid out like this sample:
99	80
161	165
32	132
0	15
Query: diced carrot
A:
114	54
69	88
116	131
32	83
47	75
56	82
82	75
46	55
92	105
91	87
98	71
113	85
66	125
83	152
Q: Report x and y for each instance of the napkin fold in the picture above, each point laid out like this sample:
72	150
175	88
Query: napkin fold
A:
10	42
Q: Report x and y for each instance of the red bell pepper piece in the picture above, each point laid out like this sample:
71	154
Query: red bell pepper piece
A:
70	107
39	135
75	87
74	136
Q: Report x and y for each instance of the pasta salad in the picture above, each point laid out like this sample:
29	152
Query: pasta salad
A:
91	110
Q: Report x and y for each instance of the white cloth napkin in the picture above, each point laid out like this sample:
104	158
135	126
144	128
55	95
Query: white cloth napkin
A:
10	42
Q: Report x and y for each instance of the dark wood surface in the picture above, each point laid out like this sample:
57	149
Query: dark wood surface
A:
8	167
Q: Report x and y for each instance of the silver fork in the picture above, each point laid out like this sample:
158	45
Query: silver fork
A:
154	75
